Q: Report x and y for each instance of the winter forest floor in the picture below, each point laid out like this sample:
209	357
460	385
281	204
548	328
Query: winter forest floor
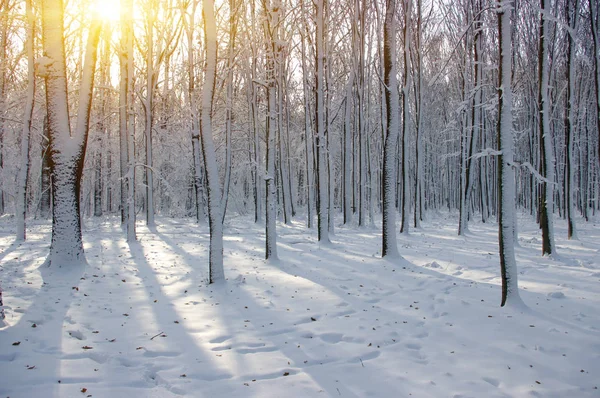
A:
333	321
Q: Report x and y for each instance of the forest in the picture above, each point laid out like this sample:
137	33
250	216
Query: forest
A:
277	139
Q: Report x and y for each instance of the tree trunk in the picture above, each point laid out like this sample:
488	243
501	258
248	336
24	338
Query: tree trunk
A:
67	151
26	132
572	15
321	140
547	157
149	108
392	105
406	119
215	218
270	26
506	181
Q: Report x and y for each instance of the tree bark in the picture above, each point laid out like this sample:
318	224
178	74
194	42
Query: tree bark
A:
27	119
506	182
215	218
392	104
67	151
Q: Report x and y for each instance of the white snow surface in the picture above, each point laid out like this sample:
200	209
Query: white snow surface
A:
331	321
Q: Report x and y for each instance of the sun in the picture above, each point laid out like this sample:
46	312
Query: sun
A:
107	10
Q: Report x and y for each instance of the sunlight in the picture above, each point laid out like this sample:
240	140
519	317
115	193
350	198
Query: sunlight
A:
106	10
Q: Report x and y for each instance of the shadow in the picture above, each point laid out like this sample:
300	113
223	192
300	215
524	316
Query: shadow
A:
32	348
173	337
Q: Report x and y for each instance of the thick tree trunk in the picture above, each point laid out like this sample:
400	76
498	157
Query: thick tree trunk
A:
506	181
215	218
392	105
66	151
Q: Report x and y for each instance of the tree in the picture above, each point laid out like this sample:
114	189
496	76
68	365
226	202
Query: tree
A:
406	119
215	219
321	139
547	156
392	106
67	149
270	27
572	16
127	121
27	119
506	181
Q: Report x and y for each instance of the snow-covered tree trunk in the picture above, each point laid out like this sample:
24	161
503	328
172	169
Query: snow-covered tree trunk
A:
67	151
347	151
321	139
359	60
547	154
418	200
392	104
572	11
404	228
282	154
270	26
256	157
215	218
506	180
308	138
26	132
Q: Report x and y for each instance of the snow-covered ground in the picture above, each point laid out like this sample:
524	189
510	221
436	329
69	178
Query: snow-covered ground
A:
140	320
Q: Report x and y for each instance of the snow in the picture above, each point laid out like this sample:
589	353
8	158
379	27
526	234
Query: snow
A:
140	320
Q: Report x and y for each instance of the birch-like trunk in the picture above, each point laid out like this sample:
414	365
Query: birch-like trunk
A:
215	218
392	105
67	151
506	180
26	132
